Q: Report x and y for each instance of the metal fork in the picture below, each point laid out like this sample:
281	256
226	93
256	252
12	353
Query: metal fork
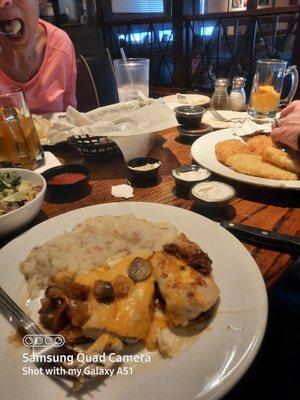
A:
19	319
220	117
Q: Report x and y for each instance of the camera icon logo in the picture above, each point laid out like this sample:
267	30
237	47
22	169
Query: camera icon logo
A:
43	340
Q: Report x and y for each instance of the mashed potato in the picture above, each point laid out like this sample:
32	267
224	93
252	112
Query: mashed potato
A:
90	244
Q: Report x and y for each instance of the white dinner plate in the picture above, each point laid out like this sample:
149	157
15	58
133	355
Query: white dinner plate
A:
207	367
203	152
191	99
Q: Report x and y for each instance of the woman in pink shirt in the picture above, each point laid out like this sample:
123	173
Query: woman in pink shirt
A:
38	57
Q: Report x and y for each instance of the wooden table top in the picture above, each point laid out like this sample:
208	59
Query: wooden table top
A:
266	209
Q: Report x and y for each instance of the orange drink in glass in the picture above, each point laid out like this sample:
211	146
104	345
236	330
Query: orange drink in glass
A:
267	85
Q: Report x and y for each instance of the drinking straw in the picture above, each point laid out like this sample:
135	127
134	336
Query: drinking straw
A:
128	72
123	54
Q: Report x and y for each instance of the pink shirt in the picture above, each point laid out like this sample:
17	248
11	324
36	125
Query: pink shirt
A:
53	88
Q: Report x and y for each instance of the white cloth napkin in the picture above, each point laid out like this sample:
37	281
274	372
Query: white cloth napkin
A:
247	123
248	126
131	126
125	191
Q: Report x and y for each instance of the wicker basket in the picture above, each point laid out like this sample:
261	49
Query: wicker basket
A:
94	146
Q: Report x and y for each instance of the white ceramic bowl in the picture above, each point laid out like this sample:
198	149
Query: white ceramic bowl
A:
16	219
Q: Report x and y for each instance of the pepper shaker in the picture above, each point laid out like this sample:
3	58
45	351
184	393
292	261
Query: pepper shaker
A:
219	100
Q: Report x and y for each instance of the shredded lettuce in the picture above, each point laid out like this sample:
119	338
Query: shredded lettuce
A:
15	192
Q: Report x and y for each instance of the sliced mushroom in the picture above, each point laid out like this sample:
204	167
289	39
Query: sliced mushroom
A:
104	292
140	269
201	262
171	248
64	303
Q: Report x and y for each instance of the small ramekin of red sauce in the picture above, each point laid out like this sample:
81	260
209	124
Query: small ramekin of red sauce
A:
67	178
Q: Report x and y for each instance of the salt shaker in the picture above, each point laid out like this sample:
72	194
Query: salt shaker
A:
237	97
219	100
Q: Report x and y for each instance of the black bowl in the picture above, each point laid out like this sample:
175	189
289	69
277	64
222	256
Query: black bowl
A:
214	204
190	116
143	178
188	168
182	186
69	188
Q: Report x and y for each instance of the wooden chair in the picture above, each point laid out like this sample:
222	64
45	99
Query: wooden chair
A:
96	82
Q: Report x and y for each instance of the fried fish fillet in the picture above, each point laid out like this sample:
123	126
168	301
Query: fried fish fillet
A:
254	165
281	159
187	292
258	143
228	148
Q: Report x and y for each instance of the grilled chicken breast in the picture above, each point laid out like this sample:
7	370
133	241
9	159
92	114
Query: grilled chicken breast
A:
187	292
121	300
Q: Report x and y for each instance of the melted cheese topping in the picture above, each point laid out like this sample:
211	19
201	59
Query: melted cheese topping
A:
128	316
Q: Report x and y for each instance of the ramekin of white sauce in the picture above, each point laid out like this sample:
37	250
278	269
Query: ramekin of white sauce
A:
188	175
146	167
143	171
213	193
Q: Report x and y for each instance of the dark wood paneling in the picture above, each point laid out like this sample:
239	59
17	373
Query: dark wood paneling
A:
248	13
175	58
251	4
85	39
178	46
137	21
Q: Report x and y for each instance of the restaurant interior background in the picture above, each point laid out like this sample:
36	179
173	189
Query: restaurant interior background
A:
189	42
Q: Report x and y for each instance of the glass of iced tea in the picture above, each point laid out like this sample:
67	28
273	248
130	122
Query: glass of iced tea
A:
267	85
19	142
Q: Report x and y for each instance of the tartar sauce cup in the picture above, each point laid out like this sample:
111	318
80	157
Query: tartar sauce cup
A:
143	171
188	175
212	194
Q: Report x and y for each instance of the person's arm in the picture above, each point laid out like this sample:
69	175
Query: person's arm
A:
70	92
287	129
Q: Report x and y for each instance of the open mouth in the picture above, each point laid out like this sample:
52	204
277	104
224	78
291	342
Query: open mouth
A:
13	28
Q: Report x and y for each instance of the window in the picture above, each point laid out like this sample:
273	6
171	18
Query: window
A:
137	6
165	35
202	6
137	37
206	30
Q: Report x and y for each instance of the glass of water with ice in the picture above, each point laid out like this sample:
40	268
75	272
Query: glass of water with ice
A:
132	78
